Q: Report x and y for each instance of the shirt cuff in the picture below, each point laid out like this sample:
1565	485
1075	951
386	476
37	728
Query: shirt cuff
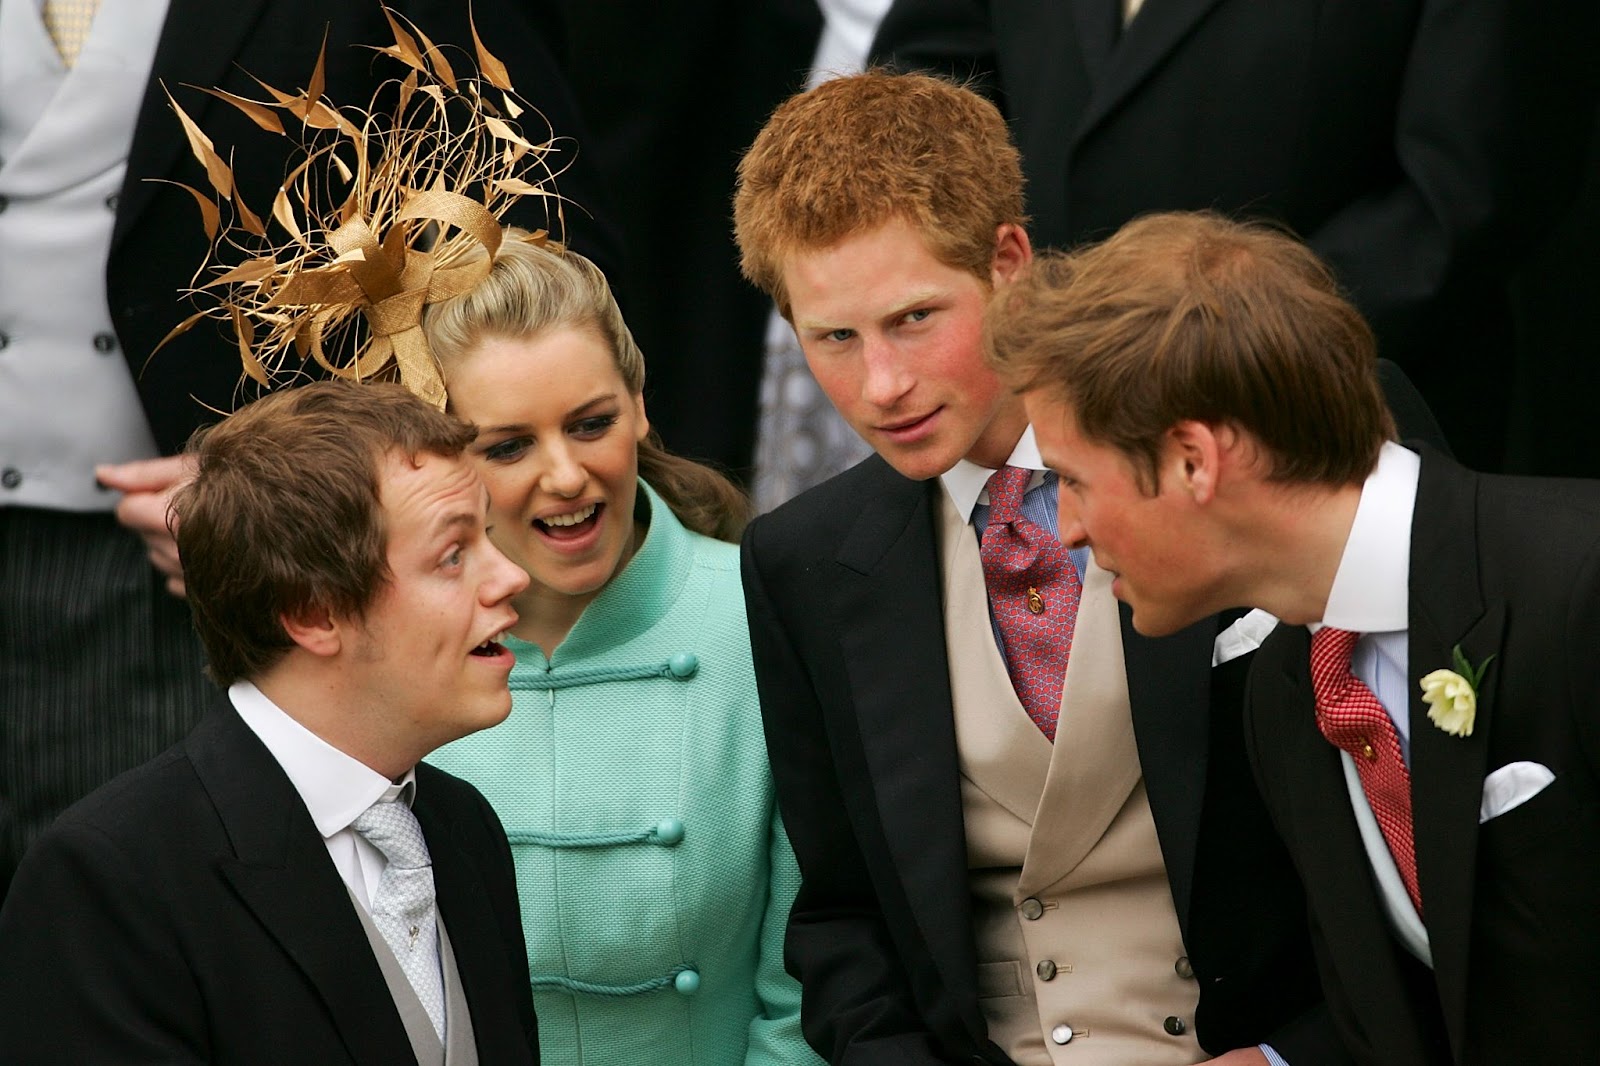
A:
1273	1058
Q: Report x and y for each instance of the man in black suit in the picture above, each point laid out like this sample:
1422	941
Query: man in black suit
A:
1421	147
95	249
1157	918
288	883
1423	724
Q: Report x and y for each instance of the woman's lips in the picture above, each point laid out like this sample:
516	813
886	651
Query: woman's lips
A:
572	536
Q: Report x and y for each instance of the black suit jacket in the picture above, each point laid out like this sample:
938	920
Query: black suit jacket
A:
189	912
1502	567
158	244
847	626
673	93
1419	146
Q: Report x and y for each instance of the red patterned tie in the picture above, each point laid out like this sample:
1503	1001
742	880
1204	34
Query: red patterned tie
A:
1353	720
1033	592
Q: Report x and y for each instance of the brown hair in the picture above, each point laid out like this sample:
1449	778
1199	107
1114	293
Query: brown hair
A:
1184	316
284	513
533	289
857	152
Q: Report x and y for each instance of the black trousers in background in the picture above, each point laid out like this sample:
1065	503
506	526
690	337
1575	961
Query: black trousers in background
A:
100	669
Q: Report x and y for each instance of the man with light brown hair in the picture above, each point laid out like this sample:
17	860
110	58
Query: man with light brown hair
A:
1423	723
290	883
1003	860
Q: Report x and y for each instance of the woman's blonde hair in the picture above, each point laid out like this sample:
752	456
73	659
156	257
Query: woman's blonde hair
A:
535	288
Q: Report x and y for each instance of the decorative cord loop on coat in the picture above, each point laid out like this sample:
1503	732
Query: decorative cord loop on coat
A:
683	978
668	832
680	667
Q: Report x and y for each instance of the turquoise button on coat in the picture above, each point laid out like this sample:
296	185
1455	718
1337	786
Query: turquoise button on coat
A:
654	874
669	831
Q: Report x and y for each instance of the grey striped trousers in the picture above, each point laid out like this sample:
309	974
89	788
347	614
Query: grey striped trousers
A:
99	666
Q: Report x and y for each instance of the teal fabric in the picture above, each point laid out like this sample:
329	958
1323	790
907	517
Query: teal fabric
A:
655	877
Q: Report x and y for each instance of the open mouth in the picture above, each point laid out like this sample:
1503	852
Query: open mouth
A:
491	647
573	525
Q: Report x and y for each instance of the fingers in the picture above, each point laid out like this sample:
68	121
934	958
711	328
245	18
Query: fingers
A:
148	486
146	475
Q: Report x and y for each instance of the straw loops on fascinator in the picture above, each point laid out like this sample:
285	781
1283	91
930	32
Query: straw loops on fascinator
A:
381	213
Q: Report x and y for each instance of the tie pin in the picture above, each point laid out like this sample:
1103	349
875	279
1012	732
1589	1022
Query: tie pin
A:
1035	601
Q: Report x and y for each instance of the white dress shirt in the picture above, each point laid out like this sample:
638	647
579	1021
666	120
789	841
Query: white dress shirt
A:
335	787
1371	596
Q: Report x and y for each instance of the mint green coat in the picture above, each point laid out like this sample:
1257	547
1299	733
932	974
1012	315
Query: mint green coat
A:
654	875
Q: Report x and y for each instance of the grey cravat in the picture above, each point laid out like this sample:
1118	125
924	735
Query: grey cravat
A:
403	907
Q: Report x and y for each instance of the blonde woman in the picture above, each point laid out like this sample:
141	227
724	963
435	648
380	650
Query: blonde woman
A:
632	778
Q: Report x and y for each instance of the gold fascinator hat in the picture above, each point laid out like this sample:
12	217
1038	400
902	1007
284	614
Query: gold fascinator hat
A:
382	212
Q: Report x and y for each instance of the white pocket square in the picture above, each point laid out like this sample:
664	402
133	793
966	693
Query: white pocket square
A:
1511	786
1243	637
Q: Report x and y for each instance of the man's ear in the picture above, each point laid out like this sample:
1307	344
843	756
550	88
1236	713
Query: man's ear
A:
1193	458
1012	254
313	629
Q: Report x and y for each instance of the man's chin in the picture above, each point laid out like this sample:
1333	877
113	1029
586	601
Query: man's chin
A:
1150	622
918	463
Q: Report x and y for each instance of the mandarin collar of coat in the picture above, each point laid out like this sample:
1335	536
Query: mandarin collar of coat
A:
642	593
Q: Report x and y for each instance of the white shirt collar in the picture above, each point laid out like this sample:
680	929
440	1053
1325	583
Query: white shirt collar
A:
967	483
335	787
1370	592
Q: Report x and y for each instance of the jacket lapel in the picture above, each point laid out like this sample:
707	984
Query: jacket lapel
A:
891	635
199	41
1313	809
282	872
463	901
1094	765
1154	32
1447	609
1169	694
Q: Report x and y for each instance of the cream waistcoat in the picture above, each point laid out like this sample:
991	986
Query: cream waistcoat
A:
1074	922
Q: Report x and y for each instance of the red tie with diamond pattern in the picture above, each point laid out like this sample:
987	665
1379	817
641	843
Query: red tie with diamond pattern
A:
1033	592
1353	720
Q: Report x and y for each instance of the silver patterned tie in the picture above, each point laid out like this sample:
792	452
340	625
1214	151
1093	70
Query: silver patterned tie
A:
403	907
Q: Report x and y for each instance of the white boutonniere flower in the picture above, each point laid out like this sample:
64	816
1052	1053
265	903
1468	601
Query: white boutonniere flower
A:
1452	695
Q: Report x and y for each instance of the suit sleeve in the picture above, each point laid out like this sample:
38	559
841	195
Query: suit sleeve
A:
90	966
949	36
1484	165
857	1004
775	1036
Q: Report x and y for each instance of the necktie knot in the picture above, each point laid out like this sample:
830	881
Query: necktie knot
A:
389	826
1006	487
1330	660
